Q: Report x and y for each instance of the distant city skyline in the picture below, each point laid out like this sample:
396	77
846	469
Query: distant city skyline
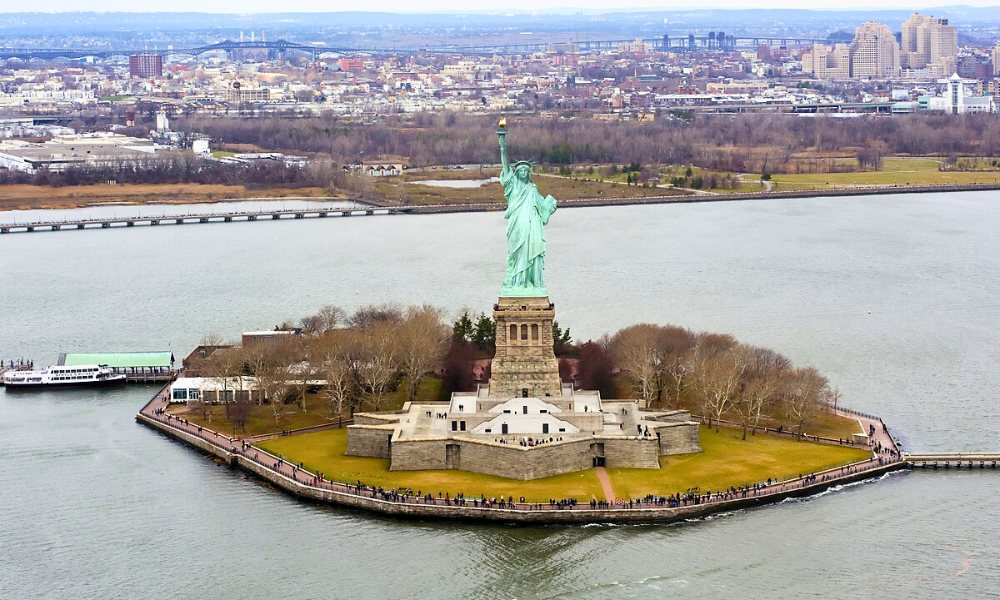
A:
401	6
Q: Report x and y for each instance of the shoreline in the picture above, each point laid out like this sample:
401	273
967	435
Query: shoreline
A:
574	203
306	486
738	197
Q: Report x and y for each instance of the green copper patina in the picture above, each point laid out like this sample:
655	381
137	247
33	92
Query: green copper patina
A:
527	214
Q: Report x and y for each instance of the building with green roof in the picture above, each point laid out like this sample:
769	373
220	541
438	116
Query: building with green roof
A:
137	366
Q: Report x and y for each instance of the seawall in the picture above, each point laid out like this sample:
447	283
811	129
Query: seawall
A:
325	492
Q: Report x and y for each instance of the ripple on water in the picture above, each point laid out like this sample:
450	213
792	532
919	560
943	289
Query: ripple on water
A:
94	504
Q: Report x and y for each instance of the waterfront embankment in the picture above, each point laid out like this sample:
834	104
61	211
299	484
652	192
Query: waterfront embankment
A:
737	197
295	480
370	207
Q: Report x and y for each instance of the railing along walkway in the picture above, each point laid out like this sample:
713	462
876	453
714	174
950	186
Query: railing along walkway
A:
296	474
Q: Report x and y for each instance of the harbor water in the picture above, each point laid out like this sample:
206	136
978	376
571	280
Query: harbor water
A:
895	298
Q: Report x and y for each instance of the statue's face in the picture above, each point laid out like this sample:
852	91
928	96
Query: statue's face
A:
523	172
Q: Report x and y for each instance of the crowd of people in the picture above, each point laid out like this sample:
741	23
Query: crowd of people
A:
17	364
881	455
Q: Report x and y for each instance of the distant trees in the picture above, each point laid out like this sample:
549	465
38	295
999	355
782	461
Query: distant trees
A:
721	142
183	168
328	318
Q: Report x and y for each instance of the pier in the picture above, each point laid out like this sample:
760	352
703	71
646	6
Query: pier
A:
956	460
194	218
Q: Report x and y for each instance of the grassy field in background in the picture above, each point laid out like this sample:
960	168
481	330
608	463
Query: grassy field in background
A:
899	171
25	197
407	190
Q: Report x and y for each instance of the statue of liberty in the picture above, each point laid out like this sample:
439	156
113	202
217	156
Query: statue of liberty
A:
527	214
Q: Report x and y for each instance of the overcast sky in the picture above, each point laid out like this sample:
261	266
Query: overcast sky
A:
264	6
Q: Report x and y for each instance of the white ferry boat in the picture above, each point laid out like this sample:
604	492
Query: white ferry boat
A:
59	376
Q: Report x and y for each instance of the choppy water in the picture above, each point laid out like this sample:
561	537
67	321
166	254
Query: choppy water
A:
896	299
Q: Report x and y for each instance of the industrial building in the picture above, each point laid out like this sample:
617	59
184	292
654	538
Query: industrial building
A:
75	150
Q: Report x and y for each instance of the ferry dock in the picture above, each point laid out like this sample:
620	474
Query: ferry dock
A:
138	367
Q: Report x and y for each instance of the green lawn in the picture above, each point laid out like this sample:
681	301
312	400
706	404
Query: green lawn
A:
726	461
324	451
884	177
428	391
915	163
261	419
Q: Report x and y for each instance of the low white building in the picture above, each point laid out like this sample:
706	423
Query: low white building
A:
212	389
77	150
957	101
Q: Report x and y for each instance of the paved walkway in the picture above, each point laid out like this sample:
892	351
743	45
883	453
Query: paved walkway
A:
602	476
155	410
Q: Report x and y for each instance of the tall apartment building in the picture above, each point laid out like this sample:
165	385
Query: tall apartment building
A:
145	66
996	60
929	43
874	52
823	62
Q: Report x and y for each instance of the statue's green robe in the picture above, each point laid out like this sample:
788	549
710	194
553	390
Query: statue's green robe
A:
527	213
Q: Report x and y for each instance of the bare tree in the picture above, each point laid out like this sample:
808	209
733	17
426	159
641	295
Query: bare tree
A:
374	363
422	339
340	387
802	395
718	376
274	384
675	346
369	316
762	381
239	411
329	317
634	350
304	356
225	367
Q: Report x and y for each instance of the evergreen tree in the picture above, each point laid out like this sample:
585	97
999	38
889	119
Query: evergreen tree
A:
463	329
560	338
484	334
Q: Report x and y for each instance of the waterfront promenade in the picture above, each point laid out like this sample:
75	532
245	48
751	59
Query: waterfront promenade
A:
296	480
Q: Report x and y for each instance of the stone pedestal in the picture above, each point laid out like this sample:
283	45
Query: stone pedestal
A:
524	359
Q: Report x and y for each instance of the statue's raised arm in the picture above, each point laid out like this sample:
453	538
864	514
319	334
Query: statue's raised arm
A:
502	135
527	213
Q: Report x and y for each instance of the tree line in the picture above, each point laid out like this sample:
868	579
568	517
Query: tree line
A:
360	359
357	360
184	168
741	142
716	375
